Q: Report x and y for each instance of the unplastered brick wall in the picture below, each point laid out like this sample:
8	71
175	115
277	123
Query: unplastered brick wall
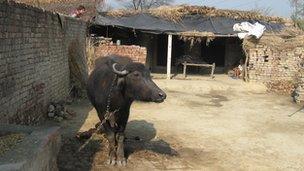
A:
277	68
36	51
136	53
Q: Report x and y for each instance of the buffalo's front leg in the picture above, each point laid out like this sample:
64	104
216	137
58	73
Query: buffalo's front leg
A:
112	146
120	153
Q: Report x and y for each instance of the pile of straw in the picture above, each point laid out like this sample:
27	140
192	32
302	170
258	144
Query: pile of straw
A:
7	142
122	13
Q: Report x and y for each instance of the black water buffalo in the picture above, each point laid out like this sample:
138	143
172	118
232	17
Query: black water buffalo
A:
112	87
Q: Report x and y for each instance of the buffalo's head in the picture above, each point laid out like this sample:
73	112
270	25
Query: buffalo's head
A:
135	80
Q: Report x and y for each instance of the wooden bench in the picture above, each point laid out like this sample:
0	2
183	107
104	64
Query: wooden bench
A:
212	66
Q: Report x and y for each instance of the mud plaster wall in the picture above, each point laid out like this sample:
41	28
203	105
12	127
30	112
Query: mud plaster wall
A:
277	68
35	49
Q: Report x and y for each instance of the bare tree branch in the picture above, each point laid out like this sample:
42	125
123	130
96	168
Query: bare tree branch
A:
102	5
298	8
146	4
262	10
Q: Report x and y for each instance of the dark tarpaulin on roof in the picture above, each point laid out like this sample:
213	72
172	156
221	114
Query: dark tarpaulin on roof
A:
149	23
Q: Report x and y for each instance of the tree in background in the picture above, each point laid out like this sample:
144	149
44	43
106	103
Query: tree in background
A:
102	6
298	12
146	4
298	8
262	10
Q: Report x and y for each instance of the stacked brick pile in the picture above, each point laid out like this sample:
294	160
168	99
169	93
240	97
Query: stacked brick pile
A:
136	53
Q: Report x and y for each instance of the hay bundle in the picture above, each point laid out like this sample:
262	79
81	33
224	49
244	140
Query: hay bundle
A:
7	142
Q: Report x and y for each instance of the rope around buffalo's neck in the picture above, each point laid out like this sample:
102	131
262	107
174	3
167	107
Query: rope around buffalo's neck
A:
109	96
107	115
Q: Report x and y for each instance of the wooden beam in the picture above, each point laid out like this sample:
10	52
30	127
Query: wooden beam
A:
203	65
216	35
169	56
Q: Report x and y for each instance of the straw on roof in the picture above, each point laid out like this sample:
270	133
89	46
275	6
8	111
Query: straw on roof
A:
287	39
197	34
176	13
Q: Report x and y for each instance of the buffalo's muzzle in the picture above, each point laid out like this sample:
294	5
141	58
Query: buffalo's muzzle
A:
161	97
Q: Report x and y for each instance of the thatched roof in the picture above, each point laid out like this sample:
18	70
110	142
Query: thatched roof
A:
176	13
190	19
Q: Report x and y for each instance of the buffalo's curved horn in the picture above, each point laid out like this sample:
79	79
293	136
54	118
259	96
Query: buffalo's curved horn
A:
121	73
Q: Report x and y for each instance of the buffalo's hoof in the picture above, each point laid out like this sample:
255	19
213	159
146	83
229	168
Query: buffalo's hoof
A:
122	162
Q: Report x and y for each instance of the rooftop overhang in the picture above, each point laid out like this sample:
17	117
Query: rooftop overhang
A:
218	26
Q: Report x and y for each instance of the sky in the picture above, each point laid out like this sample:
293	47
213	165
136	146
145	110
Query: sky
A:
278	7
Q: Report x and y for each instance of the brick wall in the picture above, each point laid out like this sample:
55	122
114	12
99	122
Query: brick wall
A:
136	53
36	51
278	68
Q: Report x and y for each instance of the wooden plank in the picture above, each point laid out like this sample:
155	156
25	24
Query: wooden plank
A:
216	35
203	65
169	56
212	66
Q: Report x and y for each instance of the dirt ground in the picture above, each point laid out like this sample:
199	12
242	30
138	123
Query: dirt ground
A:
205	124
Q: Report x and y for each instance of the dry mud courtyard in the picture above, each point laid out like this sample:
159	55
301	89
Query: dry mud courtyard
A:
205	124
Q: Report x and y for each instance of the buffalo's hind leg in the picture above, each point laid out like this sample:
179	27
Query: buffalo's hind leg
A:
110	135
120	153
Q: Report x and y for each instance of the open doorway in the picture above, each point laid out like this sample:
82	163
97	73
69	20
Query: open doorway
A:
225	52
214	52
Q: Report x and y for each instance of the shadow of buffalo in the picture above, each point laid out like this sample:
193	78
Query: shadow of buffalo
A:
141	135
84	154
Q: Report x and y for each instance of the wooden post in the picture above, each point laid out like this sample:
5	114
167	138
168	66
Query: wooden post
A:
169	55
245	72
212	71
185	69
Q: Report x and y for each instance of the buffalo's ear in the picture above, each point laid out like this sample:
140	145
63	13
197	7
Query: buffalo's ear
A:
121	82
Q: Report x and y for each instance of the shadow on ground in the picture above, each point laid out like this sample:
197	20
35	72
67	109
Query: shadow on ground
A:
141	142
74	155
141	136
